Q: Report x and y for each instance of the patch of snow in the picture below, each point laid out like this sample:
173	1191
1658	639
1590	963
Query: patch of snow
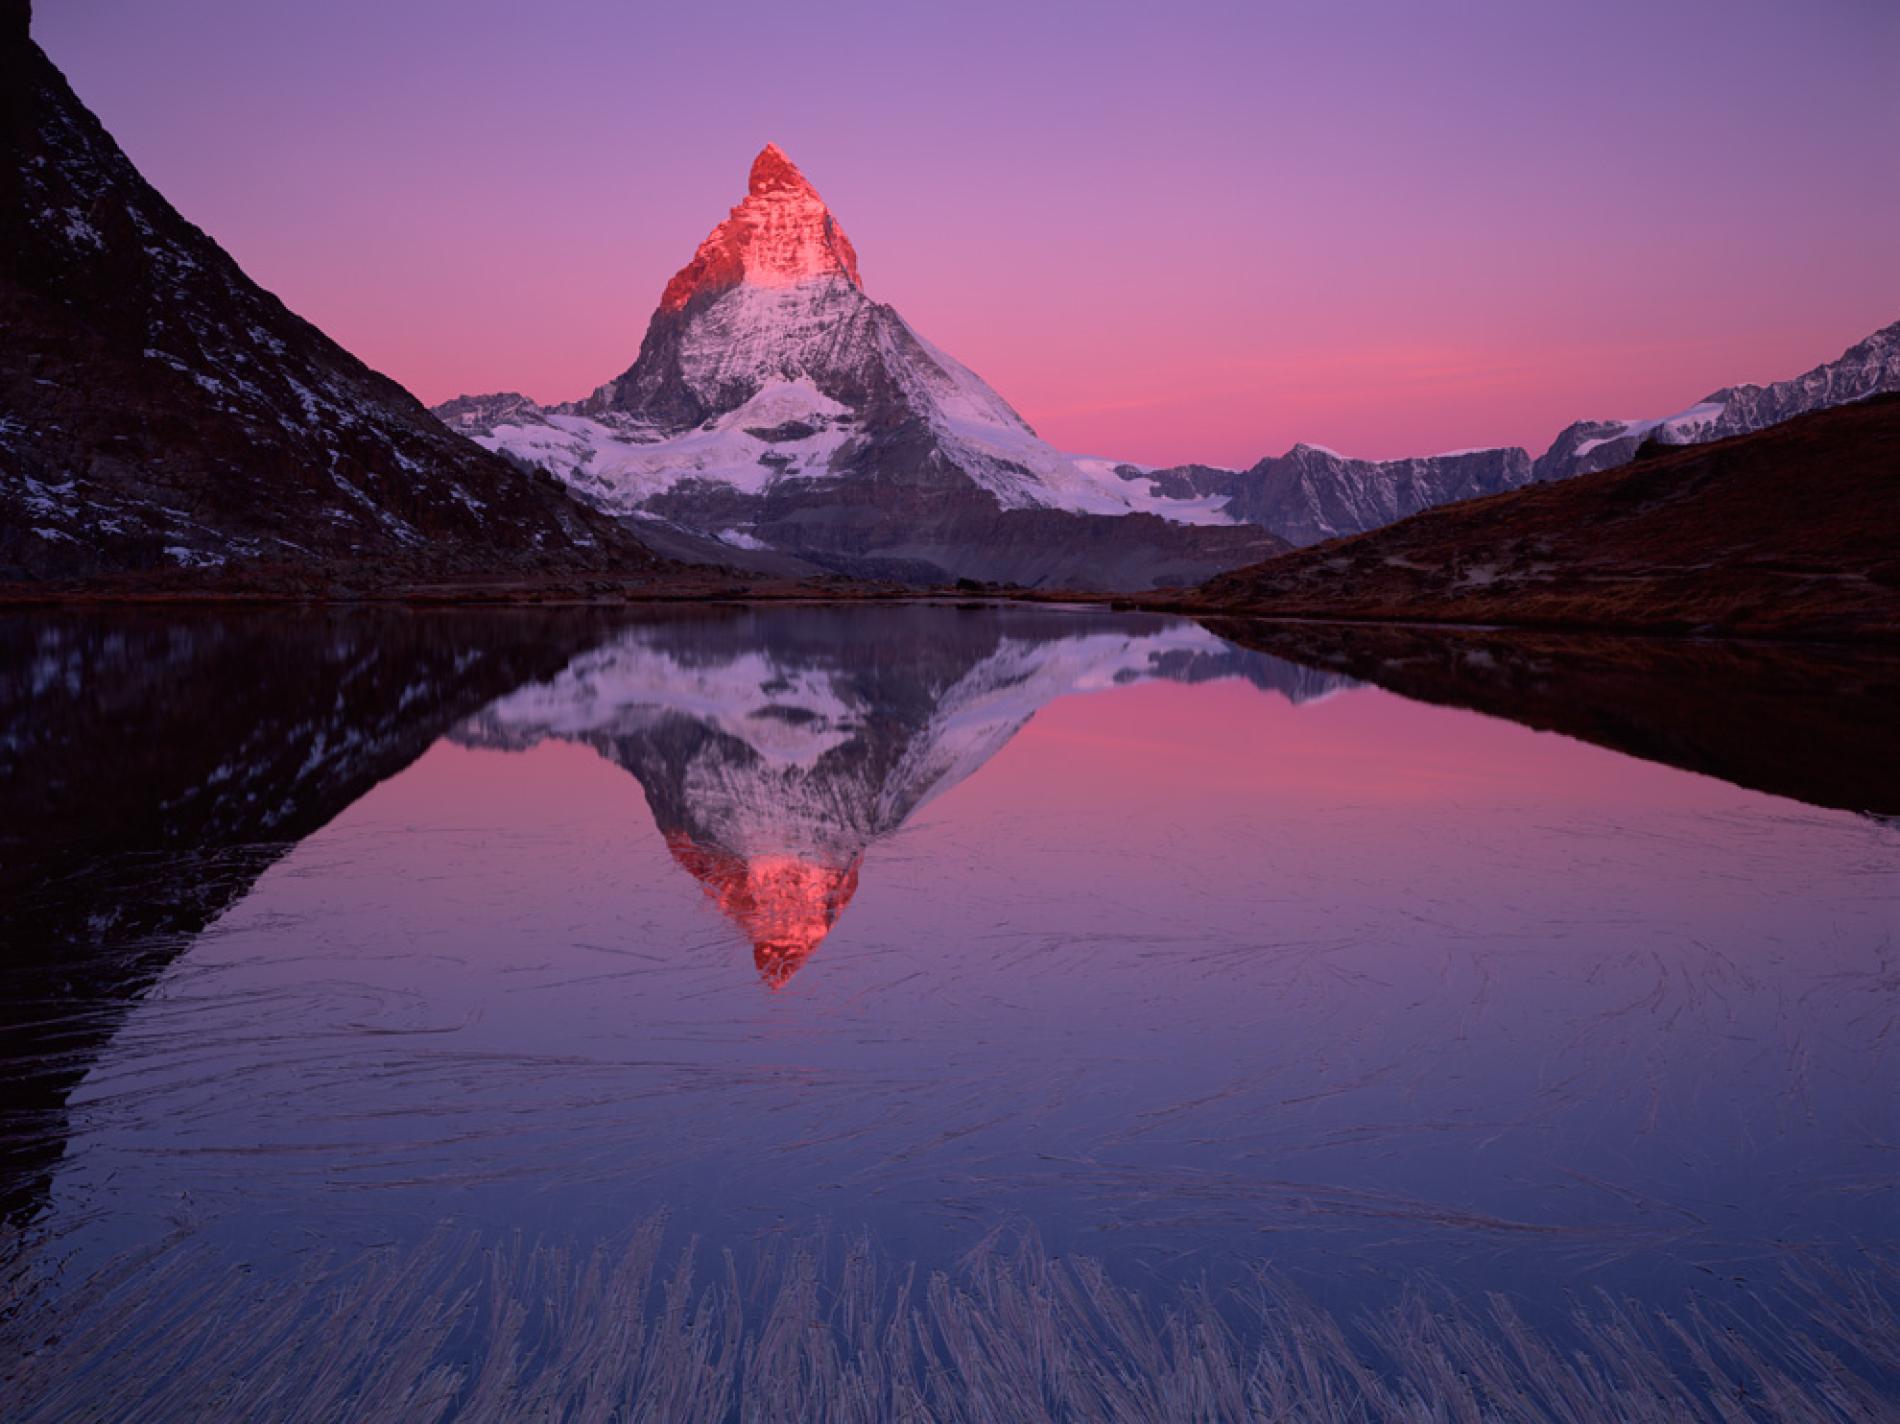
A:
618	471
77	229
193	558
1685	427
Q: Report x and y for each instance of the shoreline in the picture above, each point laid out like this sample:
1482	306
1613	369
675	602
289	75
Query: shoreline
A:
603	594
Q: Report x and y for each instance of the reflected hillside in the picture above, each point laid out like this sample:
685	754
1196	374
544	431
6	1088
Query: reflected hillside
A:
155	765
1811	721
777	747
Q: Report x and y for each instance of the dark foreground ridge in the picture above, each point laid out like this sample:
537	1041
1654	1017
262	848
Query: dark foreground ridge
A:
1793	531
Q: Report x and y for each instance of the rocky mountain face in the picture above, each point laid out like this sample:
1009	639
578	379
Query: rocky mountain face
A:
776	748
160	411
1311	494
1867	368
775	404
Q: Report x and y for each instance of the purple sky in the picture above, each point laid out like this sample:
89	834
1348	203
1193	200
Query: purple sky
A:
1197	231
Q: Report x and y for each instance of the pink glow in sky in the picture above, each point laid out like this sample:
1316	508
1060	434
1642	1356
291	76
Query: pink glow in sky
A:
1165	233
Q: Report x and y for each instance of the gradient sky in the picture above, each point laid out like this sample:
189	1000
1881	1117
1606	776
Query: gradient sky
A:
1165	233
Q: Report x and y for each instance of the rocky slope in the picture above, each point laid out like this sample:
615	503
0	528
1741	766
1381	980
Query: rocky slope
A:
160	411
774	404
1790	531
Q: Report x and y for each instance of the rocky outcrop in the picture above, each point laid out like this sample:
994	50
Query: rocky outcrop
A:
782	234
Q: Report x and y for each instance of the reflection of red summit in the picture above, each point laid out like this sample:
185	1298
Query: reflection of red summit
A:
784	904
782	234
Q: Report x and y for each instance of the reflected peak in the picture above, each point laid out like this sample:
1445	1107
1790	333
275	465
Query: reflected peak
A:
784	904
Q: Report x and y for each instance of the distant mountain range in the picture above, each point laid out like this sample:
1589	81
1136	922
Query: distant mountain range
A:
775	406
160	411
1785	531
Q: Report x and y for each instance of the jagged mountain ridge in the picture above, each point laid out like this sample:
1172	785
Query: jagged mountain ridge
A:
773	403
1312	494
1869	367
160	411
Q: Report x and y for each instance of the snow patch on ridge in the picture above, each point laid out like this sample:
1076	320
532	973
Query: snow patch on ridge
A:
1685	427
619	468
1002	453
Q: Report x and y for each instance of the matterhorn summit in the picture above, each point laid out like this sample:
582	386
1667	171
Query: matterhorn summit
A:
780	236
776	405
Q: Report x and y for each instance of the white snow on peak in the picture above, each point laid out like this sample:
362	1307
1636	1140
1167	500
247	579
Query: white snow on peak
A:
627	685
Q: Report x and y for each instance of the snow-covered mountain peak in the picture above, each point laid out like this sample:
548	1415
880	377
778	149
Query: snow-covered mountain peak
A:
781	235
774	405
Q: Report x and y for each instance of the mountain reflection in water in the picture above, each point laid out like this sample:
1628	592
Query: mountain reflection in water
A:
332	938
157	764
775	750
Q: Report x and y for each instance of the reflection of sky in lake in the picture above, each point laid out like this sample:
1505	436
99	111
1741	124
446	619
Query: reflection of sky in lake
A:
1182	974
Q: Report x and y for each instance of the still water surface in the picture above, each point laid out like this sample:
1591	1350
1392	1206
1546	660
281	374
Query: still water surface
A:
335	933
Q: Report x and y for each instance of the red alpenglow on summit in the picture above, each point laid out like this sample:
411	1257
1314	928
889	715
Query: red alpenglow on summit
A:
782	234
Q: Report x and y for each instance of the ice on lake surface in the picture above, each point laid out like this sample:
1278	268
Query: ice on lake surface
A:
357	955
